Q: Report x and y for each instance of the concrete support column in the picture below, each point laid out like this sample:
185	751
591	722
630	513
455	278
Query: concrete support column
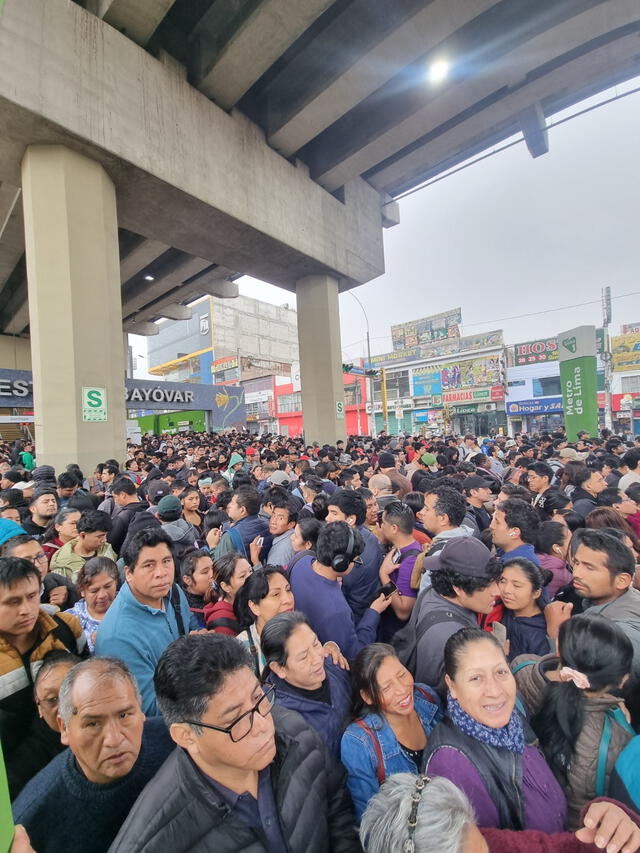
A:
320	359
75	312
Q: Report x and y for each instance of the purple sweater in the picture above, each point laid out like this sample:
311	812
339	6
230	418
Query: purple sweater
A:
322	602
545	807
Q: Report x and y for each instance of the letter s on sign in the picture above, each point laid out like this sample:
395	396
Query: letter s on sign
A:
94	399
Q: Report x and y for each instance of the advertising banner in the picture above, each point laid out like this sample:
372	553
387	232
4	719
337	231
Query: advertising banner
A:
534	352
474	373
630	329
543	406
578	379
625	353
479	395
427	329
440	349
427	382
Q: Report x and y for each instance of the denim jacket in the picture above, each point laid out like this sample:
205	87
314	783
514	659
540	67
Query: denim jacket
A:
358	753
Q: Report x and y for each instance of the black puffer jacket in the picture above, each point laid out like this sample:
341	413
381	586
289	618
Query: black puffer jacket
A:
179	811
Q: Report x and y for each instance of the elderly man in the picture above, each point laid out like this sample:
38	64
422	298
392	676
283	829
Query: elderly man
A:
80	799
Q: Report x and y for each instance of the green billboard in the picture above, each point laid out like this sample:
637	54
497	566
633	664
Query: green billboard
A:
578	378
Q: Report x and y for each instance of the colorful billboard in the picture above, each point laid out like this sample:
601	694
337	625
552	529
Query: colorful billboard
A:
630	329
474	395
440	349
427	329
543	406
534	352
625	353
474	373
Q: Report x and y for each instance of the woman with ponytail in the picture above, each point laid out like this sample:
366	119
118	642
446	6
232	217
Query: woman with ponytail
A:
577	711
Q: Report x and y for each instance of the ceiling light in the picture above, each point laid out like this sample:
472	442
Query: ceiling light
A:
438	71
149	278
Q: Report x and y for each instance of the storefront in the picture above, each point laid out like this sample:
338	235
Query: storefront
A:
479	411
542	415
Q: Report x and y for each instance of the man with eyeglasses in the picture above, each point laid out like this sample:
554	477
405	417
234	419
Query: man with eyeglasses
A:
249	776
56	590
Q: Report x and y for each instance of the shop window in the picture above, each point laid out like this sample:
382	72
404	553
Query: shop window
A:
547	387
630	384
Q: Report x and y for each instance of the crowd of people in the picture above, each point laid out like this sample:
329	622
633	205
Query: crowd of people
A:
244	643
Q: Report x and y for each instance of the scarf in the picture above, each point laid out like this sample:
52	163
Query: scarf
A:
509	737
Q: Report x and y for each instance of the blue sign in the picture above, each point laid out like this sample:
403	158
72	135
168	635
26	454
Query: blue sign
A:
427	382
543	406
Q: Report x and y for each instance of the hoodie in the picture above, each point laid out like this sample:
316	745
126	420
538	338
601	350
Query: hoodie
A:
625	610
181	532
228	474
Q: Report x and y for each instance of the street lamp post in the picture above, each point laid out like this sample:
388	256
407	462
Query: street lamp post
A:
371	417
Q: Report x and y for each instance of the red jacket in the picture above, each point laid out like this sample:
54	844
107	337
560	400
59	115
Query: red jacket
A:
534	841
221	619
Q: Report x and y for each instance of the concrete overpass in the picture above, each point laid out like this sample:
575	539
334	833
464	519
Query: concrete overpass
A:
153	150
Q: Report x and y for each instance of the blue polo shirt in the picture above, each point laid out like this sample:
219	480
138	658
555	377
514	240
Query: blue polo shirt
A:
524	550
138	635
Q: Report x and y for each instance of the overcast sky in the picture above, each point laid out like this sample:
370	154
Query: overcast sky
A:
512	236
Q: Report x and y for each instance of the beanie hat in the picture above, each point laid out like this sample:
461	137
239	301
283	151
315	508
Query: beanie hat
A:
44	472
9	529
169	508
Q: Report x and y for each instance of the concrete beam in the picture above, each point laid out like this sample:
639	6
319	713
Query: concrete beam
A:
433	111
19	317
328	100
134	327
175	311
534	129
140	294
187	173
11	230
464	138
137	19
260	40
140	257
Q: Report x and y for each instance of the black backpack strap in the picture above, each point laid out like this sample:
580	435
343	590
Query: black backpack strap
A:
223	622
434	617
175	603
64	633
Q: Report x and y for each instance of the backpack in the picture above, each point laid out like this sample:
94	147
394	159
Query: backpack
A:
406	640
380	774
611	717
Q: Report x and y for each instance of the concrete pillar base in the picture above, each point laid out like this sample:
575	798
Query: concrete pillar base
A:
320	359
75	310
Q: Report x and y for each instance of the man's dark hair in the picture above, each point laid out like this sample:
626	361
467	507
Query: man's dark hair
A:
40	492
632	491
192	670
619	559
347	476
400	514
249	498
612	444
66	480
350	503
123	485
110	468
581	476
367	494
522	515
334	539
443	581
286	502
242	480
94	520
450	503
541	469
513	490
610	497
148	537
631	458
14	569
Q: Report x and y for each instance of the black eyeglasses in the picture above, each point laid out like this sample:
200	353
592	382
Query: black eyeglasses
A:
241	727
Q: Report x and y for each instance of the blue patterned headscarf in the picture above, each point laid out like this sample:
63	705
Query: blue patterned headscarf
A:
509	737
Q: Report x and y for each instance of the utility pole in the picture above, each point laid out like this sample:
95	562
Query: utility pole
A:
606	356
383	390
372	423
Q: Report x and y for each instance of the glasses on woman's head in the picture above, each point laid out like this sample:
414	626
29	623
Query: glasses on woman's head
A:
241	727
